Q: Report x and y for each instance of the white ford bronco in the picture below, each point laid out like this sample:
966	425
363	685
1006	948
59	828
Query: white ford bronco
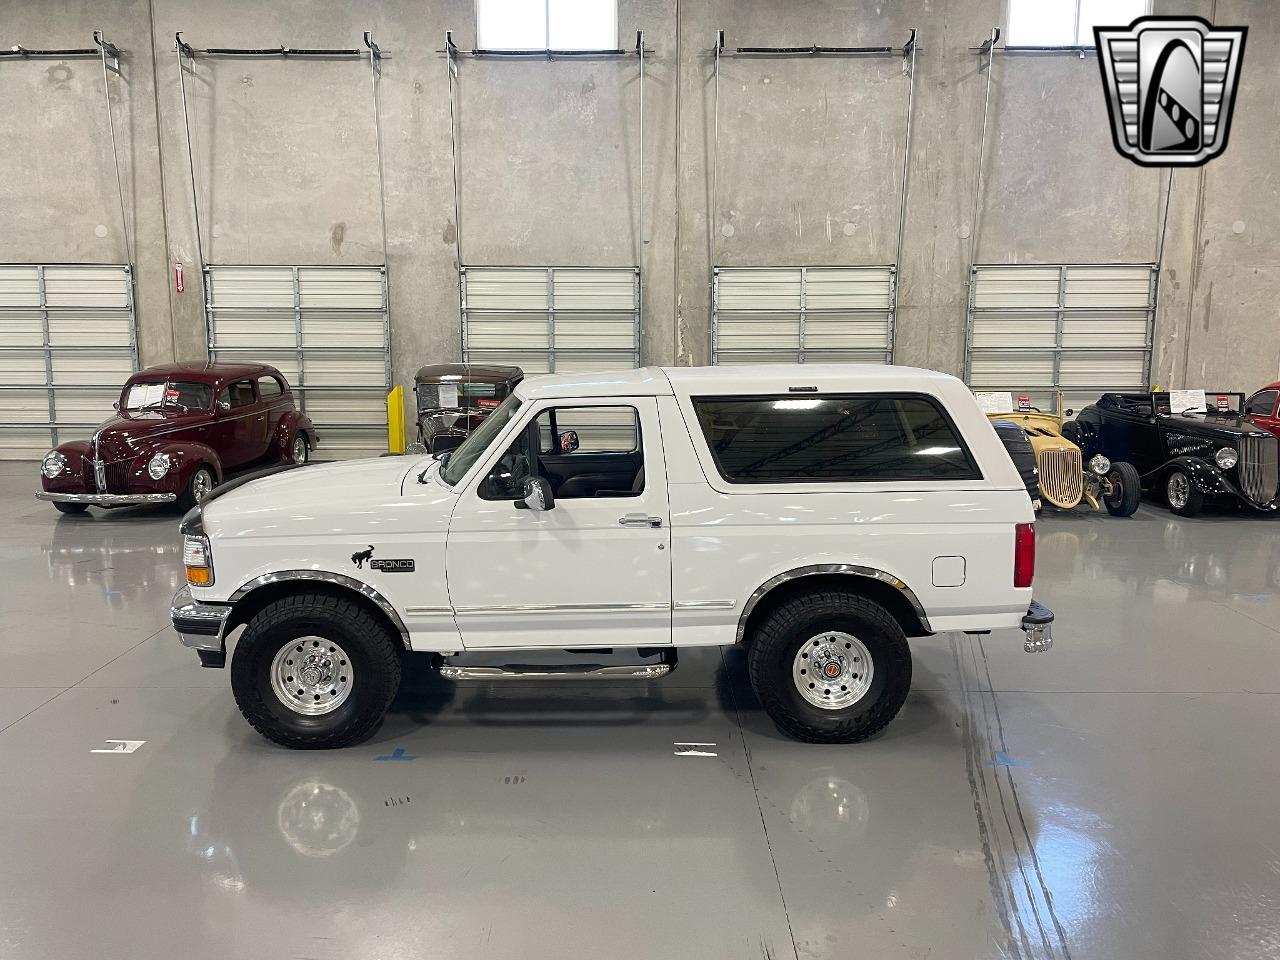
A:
817	515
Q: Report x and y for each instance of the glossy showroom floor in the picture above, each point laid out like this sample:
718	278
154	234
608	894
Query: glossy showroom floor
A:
1116	798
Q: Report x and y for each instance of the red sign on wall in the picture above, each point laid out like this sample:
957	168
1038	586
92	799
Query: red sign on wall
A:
1024	403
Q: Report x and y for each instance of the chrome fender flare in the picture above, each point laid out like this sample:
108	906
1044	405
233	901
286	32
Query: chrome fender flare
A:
849	569
324	576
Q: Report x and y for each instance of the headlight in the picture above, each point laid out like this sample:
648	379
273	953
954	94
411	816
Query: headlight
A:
54	463
1099	464
197	557
1226	458
159	465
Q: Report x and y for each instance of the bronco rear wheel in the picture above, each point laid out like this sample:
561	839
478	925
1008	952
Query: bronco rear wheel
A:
313	671
1126	490
830	667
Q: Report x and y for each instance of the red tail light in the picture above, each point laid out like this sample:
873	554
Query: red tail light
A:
1024	554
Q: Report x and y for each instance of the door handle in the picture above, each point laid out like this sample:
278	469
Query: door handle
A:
639	520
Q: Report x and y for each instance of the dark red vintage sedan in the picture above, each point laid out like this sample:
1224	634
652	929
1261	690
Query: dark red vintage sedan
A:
177	431
1263	408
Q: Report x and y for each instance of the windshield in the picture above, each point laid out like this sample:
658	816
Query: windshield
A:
460	461
154	394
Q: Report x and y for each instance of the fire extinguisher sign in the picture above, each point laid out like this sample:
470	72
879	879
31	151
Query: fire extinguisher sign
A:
178	283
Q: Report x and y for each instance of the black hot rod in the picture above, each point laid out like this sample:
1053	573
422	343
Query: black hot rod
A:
1188	456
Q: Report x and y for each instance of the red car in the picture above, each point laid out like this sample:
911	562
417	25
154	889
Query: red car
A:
178	430
1262	408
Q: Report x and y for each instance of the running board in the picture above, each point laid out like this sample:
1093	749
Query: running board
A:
568	671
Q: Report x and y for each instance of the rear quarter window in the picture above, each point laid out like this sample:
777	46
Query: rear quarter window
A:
833	438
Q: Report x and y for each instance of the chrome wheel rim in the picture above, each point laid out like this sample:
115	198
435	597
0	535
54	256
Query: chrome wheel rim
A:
299	450
201	484
312	676
833	670
1179	490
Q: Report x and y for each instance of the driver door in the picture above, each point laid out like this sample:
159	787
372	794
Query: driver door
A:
592	571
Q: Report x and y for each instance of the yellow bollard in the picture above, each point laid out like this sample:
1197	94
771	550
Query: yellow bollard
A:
395	420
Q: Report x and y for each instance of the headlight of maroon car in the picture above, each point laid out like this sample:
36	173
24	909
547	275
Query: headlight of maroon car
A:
53	464
159	465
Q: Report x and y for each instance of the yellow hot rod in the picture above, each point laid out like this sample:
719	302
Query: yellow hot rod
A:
1065	480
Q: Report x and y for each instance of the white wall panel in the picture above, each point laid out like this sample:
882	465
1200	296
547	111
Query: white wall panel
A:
326	329
552	319
803	314
1081	329
69	330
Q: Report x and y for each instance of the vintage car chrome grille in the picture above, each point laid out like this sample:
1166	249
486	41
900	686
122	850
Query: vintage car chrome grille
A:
1258	469
1061	476
118	477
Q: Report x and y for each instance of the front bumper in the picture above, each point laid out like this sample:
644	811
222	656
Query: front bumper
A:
1037	625
107	499
200	626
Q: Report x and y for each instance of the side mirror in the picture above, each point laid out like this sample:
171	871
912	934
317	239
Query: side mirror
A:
568	441
1068	412
116	406
537	495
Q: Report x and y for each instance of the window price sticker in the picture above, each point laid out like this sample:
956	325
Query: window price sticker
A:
1180	401
994	402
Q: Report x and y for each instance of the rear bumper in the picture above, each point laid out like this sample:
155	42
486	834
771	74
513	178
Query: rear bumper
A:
1037	626
200	626
107	499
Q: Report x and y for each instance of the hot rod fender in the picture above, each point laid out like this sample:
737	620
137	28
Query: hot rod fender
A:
290	424
188	456
1204	476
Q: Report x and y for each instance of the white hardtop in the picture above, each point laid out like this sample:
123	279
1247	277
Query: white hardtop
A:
754	378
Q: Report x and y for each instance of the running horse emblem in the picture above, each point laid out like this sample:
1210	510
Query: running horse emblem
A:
361	556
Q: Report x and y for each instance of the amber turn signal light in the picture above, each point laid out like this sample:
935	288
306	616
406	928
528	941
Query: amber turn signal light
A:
199	576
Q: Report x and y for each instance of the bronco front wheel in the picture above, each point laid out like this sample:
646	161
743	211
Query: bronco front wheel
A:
313	671
830	667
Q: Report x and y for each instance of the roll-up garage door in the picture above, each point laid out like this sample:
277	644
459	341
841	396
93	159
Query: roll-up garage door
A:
67	344
803	315
1082	329
552	319
326	329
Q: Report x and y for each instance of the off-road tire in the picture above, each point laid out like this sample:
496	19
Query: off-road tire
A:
1195	499
1126	488
777	640
70	507
372	646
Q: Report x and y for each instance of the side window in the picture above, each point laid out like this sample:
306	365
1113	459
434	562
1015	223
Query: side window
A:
589	452
832	438
238	394
1263	404
597	429
269	388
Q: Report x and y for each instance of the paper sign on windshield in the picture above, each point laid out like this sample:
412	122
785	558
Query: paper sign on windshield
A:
995	402
1182	400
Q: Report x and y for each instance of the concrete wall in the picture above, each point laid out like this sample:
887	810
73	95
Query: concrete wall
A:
809	169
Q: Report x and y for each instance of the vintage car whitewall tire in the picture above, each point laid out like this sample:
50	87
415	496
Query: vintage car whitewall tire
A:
299	451
1126	490
1181	494
830	666
314	670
